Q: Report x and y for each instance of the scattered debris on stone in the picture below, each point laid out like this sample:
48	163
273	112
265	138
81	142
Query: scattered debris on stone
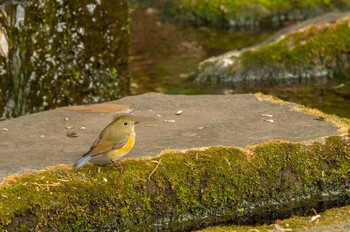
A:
179	112
169	120
315	217
267	115
72	134
320	118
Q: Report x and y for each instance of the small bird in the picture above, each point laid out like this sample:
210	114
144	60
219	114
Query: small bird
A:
115	141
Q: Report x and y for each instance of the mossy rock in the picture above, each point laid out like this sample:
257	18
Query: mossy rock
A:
179	190
62	53
312	52
251	13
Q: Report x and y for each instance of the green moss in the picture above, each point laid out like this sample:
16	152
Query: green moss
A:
245	13
281	67
185	187
59	54
303	52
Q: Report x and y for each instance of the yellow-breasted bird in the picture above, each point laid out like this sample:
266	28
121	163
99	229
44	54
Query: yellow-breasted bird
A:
115	141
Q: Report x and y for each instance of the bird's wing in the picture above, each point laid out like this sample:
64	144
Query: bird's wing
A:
101	147
95	142
121	143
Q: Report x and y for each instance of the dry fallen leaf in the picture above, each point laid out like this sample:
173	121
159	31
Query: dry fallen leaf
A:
82	128
68	127
179	112
169	120
66	119
5	129
315	217
320	118
72	134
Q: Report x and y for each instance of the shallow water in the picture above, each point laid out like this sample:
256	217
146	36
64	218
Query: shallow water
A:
163	55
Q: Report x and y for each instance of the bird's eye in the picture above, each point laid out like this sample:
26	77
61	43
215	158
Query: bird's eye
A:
126	123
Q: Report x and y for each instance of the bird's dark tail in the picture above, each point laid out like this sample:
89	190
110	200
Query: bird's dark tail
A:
82	161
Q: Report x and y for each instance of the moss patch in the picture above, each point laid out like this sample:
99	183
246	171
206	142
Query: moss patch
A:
187	187
317	50
313	52
58	54
249	13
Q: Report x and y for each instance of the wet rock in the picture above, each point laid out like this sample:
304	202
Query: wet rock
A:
315	49
246	14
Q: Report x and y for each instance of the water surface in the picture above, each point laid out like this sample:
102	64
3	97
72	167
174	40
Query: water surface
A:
163	55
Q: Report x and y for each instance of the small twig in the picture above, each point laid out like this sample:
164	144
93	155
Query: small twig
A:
149	177
151	125
47	185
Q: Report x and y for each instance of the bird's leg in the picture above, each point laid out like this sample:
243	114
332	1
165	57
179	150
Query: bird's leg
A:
115	163
118	164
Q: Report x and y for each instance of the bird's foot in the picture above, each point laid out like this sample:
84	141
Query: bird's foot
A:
117	164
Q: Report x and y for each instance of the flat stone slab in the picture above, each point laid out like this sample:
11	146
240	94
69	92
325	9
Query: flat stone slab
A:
39	140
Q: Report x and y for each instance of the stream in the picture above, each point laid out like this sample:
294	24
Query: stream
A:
163	55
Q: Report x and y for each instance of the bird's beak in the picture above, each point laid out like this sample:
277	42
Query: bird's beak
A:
136	122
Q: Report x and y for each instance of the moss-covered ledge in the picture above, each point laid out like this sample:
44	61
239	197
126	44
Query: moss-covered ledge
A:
238	13
179	189
313	51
